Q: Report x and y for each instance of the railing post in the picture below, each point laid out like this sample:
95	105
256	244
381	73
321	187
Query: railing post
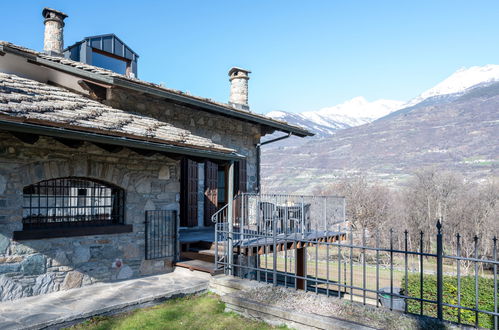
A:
440	284
216	245
230	218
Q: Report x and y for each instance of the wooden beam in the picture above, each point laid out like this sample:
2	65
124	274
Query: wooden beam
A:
96	92
301	267
26	137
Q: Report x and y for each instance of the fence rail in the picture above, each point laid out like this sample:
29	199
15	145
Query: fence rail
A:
424	281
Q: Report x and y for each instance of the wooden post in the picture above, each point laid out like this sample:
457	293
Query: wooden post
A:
301	267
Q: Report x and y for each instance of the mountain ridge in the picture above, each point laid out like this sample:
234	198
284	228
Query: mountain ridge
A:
358	111
457	132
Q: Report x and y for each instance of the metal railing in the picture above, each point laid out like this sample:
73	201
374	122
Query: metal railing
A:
354	265
288	213
260	216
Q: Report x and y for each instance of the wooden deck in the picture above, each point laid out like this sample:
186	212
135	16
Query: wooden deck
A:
264	245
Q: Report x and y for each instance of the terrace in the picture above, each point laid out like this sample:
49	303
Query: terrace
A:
306	243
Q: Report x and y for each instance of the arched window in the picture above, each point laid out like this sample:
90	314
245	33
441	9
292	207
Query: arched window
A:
72	202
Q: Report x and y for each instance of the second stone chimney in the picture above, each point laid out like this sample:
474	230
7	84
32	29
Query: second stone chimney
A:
53	42
239	88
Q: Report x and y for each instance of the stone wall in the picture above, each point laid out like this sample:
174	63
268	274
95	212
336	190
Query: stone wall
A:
232	133
34	267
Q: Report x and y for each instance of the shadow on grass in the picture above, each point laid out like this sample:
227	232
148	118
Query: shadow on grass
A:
191	312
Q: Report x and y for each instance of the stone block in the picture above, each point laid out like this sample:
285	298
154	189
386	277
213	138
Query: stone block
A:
21	249
149	205
80	255
125	273
44	284
60	259
11	259
3	184
131	251
143	186
6	268
72	280
164	173
101	253
34	265
10	290
4	243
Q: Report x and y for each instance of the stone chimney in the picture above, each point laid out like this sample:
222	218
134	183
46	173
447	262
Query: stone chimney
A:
53	42
239	88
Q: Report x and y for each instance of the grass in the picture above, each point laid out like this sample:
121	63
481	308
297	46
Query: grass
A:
192	312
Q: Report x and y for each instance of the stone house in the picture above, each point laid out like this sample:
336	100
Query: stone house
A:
91	156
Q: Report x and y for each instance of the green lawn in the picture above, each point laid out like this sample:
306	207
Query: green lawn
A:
191	312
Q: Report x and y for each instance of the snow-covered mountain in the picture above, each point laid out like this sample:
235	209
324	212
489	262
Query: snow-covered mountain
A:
459	82
359	111
354	112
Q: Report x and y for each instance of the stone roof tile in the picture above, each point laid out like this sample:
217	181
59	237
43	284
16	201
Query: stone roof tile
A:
31	101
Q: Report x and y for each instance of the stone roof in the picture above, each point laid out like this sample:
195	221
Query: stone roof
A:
33	102
107	73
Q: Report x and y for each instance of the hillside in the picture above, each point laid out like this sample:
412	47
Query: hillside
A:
457	131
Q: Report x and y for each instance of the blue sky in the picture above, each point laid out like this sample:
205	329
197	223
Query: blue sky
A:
304	55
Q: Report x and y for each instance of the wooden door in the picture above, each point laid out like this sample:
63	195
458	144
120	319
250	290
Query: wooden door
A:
189	193
210	191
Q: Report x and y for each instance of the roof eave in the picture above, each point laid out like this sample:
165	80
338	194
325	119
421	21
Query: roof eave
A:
22	127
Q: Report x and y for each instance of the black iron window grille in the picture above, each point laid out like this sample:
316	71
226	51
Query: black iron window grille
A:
72	202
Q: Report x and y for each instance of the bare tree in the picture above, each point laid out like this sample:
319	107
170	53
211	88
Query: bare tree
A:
429	196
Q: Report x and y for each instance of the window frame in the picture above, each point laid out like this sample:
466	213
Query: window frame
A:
62	214
128	63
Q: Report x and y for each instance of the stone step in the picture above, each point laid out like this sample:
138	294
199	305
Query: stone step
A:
199	265
198	256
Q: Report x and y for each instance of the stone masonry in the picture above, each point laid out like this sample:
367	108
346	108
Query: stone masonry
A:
231	133
40	266
239	88
53	41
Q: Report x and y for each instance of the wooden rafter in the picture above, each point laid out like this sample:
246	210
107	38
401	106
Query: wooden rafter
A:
96	92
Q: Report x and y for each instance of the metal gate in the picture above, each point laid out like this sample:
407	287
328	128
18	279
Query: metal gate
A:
160	234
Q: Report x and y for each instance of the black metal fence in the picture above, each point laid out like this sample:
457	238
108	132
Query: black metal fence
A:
355	266
160	234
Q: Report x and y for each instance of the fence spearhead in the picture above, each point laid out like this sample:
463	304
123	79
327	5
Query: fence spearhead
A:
439	225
